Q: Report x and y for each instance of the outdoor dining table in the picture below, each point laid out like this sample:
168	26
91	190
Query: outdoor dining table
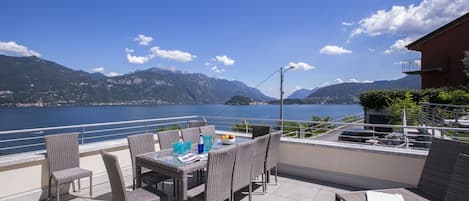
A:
165	162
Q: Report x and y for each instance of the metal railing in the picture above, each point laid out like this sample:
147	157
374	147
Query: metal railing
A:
347	130
15	141
411	65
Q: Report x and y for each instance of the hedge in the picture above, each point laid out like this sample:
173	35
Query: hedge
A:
379	99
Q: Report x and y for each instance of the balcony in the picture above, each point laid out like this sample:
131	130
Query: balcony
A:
411	66
311	165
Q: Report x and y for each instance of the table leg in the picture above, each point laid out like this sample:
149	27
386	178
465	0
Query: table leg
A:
139	177
182	188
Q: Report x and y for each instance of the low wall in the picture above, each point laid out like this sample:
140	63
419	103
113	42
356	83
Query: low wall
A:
362	166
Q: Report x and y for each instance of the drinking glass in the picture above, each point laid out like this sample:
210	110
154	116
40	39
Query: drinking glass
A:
208	142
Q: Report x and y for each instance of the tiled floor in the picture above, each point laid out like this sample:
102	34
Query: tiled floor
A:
288	189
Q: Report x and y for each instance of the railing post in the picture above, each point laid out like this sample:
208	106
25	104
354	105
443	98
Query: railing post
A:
246	125
82	135
404	128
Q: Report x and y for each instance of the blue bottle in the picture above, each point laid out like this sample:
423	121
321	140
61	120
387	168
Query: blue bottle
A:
200	146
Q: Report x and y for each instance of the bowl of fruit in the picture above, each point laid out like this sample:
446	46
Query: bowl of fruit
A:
228	139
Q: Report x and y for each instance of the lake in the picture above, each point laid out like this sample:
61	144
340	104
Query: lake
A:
34	117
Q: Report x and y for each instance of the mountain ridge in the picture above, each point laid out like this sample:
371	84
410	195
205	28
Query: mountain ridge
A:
32	79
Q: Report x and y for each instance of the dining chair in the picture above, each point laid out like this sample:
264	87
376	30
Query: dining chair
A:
208	130
63	158
191	135
219	176
245	153
167	138
258	166
194	123
260	130
272	154
140	144
118	188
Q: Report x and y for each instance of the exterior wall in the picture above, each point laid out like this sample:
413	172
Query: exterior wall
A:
446	49
369	168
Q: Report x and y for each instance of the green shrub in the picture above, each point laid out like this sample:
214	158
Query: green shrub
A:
396	107
382	98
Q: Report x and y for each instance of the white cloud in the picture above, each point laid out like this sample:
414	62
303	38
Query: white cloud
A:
216	69
225	60
143	40
207	64
347	23
113	74
334	50
137	59
175	55
12	48
413	19
301	65
371	49
98	70
399	45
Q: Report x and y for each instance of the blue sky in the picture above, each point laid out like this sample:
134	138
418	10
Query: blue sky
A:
328	41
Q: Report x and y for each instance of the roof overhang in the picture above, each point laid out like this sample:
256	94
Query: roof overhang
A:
416	45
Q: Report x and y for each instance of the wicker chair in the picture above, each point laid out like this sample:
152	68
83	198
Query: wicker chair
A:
458	187
436	174
258	131
219	176
63	157
193	124
140	144
242	169
191	135
167	138
116	180
208	130
258	166
272	154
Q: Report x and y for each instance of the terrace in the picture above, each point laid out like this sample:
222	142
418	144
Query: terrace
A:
309	168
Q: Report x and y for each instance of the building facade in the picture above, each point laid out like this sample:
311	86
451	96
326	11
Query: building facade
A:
441	53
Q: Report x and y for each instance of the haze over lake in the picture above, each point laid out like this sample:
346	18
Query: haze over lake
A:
35	117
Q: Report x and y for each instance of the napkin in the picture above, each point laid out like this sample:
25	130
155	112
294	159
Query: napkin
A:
189	158
378	196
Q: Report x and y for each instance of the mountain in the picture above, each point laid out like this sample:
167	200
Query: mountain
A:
238	100
350	92
302	93
32	80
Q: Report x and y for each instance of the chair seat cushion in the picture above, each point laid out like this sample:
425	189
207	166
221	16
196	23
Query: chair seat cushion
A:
142	195
409	194
71	174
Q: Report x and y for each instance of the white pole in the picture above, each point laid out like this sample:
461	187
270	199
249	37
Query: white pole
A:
404	128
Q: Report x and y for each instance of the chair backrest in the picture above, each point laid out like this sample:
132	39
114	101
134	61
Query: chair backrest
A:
191	135
62	151
438	166
115	176
140	144
272	150
458	188
208	130
244	160
193	124
258	130
219	173
259	156
167	138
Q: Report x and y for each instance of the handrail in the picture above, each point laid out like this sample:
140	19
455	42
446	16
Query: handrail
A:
95	124
344	123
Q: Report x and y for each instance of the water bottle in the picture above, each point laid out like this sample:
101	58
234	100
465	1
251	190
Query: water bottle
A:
200	146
